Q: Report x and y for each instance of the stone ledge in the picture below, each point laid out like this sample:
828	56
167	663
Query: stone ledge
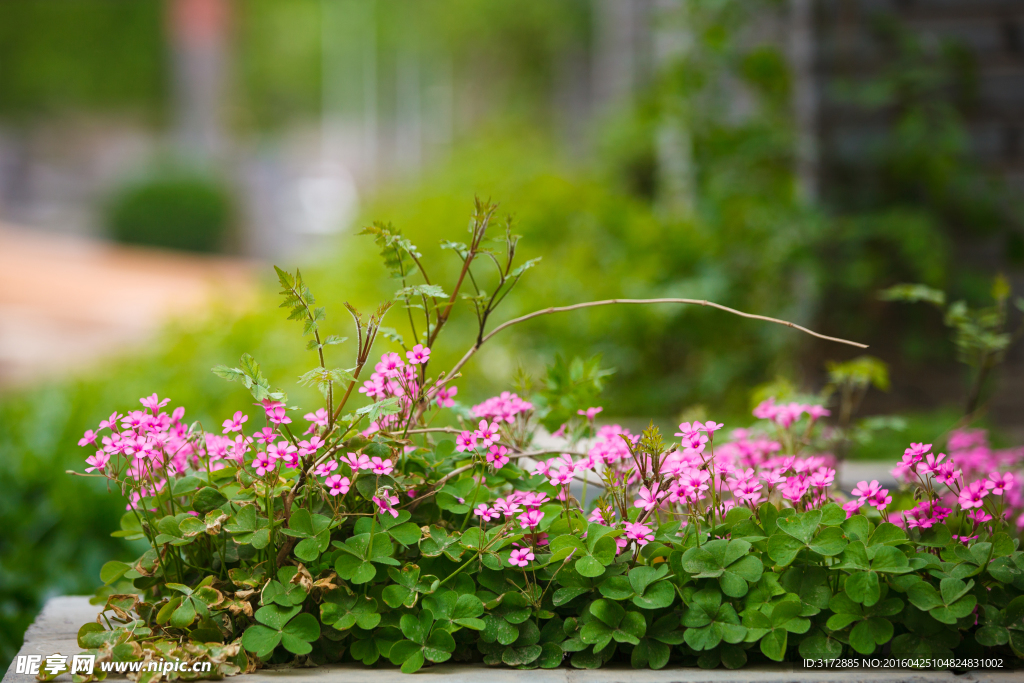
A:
56	629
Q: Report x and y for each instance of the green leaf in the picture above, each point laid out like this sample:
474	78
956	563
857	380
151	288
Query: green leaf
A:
801	526
207	499
611	613
863	587
260	640
112	571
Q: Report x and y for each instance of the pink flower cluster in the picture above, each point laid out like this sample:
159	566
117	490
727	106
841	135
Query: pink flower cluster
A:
785	415
502	408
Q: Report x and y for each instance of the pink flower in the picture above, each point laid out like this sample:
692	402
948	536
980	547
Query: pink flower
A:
817	412
532	500
446	396
488	434
466	441
153	403
497	456
979	516
852	508
711	427
530	519
357	462
600	516
562	477
235	423
485	513
419	354
639	533
880	500
89	437
386	503
823	477
265	435
1001	483
263	463
97	462
324	469
318	419
338	484
649	498
971	496
507	507
863	490
918	450
521	557
381	467
590	413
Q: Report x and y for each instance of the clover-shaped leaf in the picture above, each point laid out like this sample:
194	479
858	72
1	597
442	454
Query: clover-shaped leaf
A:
613	622
438	542
360	552
773	627
590	556
709	621
424	643
343	611
951	602
281	625
729	561
249	529
315	530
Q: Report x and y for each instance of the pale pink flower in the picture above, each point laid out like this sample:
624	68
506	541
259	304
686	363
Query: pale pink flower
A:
530	519
497	456
420	354
446	396
153	403
357	462
487	433
649	498
235	423
507	507
98	461
324	469
864	490
381	467
639	533
338	484
520	557
89	438
710	426
851	508
1000	483
590	413
485	513
263	463
466	441
386	503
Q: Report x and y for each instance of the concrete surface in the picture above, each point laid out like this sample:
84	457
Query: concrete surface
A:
56	629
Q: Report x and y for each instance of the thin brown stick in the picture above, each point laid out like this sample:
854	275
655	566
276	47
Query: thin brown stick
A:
607	302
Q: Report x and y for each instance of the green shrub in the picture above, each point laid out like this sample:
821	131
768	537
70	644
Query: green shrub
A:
177	211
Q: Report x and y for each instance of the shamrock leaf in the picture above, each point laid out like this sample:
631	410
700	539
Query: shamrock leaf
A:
729	561
870	627
315	530
423	643
281	625
591	556
773	627
360	552
709	621
613	622
249	529
951	602
343	611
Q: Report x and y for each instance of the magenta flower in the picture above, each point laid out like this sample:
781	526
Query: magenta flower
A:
88	438
864	490
880	500
235	423
265	435
324	469
153	403
485	513
1000	483
971	496
649	498
530	519
506	506
605	516
386	504
420	354
816	412
521	557
711	427
639	533
487	433
98	461
532	500
590	413
979	516
446	396
561	477
381	467
357	462
318	419
263	463
497	456
338	484
466	441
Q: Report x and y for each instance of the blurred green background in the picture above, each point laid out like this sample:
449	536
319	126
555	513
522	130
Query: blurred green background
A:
645	149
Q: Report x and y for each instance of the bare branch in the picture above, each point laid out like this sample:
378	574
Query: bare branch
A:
608	302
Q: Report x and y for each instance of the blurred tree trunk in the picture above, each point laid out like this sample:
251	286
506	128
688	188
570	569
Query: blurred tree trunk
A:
198	31
673	42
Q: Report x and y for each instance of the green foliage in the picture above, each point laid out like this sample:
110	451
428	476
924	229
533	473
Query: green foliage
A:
176	210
